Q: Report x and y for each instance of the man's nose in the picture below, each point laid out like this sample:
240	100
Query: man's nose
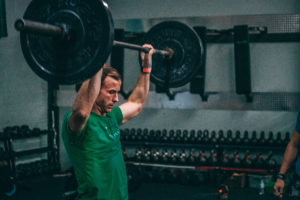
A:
116	97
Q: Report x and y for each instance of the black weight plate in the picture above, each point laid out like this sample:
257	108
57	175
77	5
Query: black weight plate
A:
187	58
79	59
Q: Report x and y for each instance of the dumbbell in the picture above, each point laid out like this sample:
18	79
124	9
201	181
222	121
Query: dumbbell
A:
286	139
246	139
225	159
24	131
164	136
254	140
279	140
156	156
270	163
132	134
270	140
199	137
212	159
185	136
229	137
152	135
221	138
172	136
237	139
202	158
178	136
182	156
157	135
262	139
192	137
173	158
36	132
138	156
145	134
165	156
147	155
235	160
205	138
247	160
139	134
259	161
10	132
213	138
192	157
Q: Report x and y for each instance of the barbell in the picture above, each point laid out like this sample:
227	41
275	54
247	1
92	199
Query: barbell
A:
68	41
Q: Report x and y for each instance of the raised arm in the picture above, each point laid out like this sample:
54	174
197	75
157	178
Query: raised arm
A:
138	97
84	102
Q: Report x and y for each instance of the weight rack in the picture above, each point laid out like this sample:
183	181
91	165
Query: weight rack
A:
12	135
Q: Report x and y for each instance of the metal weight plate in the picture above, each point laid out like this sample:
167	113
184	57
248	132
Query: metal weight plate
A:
187	57
78	59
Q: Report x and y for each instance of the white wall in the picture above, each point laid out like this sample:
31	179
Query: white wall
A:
23	95
131	9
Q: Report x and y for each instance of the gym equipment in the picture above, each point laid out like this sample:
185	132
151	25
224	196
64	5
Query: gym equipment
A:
134	177
67	42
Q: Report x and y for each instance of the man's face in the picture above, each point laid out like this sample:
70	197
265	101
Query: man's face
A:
108	95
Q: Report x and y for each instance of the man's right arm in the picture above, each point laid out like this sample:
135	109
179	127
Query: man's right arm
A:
289	157
290	153
84	102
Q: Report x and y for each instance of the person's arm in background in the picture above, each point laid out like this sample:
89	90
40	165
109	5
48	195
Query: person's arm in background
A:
289	157
138	97
84	102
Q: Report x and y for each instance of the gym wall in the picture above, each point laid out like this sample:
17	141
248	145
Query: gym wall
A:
23	98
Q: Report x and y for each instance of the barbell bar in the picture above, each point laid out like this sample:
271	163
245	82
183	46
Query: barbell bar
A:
65	33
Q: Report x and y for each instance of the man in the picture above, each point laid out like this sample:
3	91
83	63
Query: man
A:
91	132
289	157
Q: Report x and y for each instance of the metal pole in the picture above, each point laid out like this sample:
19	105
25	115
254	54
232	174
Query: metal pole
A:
140	48
37	27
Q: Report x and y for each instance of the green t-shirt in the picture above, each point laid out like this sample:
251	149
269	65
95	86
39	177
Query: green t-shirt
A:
96	155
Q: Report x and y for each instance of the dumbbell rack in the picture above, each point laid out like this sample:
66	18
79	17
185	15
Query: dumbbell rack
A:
149	145
15	134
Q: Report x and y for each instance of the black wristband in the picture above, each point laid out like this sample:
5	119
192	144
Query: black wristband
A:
281	176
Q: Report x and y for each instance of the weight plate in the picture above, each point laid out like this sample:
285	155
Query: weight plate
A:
188	53
73	61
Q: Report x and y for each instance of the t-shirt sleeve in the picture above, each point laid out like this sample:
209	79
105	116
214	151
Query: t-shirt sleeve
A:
65	124
66	127
117	113
298	123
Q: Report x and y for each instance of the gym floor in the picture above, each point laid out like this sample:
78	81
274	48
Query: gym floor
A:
48	188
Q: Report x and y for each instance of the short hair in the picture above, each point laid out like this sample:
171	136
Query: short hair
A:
107	71
111	72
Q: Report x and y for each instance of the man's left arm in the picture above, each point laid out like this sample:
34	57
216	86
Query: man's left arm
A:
138	97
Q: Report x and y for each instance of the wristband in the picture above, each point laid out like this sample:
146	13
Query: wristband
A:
147	69
280	176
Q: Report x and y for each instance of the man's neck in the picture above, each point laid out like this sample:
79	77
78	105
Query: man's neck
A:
96	109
